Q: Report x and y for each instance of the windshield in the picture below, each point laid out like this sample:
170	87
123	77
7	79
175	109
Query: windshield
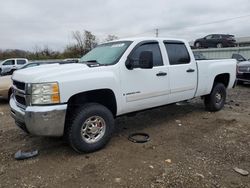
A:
106	54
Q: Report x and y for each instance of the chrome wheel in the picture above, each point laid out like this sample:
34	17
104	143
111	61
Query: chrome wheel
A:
197	45
219	45
218	98
93	129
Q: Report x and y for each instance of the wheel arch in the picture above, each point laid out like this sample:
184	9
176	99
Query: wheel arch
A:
223	78
105	97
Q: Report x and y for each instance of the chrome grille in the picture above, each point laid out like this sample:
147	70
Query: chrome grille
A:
244	68
19	93
19	85
20	100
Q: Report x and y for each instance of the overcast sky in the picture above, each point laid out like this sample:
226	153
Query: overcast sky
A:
25	24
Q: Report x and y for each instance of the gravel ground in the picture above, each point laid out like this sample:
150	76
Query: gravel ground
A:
189	147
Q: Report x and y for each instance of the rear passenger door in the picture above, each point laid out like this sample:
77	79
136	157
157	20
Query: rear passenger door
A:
215	40
20	62
182	71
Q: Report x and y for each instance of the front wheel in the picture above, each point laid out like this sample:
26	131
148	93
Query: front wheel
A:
216	99
91	128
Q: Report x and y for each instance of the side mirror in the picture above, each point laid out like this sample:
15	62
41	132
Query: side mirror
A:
146	60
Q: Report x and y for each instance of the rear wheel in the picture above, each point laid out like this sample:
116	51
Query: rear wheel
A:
219	45
197	44
91	128
216	99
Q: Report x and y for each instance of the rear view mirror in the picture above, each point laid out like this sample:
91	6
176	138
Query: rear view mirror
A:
146	60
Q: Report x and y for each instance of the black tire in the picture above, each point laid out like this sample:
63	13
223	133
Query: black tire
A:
74	135
11	71
240	82
212	101
197	45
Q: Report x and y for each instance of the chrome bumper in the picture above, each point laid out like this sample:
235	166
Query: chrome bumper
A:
40	120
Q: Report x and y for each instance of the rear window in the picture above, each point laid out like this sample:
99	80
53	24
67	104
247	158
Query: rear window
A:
21	61
228	36
177	53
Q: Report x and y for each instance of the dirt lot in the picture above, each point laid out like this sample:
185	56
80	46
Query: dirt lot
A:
189	147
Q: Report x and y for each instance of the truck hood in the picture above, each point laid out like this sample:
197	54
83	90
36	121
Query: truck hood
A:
50	72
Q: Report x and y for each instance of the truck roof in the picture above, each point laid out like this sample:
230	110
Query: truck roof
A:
149	38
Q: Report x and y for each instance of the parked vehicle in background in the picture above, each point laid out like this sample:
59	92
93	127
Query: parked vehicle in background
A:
5	81
243	68
199	56
5	87
215	41
81	100
238	57
8	66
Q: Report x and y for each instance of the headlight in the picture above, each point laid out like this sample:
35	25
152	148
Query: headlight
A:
45	93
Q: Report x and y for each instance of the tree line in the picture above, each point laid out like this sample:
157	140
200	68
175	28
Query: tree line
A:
83	43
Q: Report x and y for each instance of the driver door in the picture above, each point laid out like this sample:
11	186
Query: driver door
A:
145	88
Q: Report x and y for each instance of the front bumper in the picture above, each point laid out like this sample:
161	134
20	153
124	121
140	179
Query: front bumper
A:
245	77
40	120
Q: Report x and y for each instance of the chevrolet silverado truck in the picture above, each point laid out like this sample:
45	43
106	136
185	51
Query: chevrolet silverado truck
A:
81	100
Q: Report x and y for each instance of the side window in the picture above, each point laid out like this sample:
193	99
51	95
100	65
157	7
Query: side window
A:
154	47
9	62
21	62
208	37
216	37
177	53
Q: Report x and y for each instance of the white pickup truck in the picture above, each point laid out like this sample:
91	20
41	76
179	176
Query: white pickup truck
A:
81	100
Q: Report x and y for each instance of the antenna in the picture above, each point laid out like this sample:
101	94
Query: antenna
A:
156	32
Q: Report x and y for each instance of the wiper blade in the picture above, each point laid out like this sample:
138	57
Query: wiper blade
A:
92	63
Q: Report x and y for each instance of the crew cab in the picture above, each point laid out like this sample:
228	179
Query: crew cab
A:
8	66
81	100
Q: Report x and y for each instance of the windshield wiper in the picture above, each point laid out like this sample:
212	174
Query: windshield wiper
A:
92	63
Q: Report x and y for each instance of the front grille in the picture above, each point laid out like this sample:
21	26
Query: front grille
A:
20	100
19	85
244	69
19	93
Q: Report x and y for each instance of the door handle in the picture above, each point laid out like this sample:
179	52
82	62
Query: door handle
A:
161	74
190	70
